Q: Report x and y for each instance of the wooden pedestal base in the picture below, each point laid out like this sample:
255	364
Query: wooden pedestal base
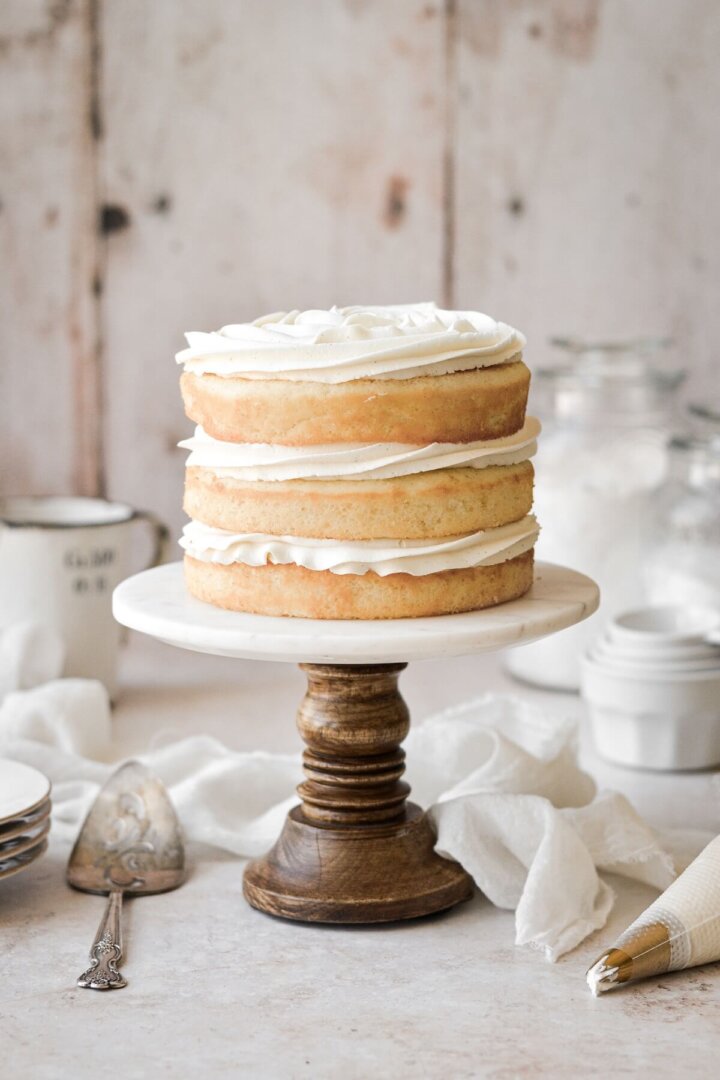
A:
355	851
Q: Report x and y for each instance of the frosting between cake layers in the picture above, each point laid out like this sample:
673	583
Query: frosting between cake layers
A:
354	461
342	344
416	557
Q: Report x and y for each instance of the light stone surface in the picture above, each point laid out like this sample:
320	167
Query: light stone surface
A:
218	990
157	602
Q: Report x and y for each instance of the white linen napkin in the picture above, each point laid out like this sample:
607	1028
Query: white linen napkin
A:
498	775
30	654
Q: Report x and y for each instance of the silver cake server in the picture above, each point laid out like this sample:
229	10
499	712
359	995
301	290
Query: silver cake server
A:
131	842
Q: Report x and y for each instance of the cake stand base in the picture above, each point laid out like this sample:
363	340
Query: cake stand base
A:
362	875
355	851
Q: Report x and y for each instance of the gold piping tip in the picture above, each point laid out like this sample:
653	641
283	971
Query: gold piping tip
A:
642	951
610	971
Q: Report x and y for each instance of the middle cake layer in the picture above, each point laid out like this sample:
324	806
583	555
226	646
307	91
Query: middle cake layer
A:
444	502
359	491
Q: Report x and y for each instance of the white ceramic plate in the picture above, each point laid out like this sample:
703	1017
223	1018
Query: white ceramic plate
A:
25	842
14	866
22	789
20	825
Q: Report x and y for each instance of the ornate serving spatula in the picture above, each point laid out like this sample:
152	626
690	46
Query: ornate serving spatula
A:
131	842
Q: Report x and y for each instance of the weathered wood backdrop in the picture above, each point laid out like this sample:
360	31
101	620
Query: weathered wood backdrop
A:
179	164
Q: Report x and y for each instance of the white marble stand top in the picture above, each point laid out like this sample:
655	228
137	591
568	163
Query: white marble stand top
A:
157	603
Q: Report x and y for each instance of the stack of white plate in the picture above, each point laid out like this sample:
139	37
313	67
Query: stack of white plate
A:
24	816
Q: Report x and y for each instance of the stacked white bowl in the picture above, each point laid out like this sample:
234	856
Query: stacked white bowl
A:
652	684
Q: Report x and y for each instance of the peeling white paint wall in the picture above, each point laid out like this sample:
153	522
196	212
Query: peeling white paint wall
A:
180	164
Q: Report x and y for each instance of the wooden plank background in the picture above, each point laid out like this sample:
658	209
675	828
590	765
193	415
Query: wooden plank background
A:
181	164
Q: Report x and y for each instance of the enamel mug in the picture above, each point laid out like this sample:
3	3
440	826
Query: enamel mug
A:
60	559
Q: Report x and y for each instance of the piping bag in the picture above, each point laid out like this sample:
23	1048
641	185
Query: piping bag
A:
681	929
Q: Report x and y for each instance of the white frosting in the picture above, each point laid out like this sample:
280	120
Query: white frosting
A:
335	346
416	557
602	977
354	461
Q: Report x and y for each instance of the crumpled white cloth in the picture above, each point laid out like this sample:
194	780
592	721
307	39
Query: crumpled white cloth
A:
30	654
499	775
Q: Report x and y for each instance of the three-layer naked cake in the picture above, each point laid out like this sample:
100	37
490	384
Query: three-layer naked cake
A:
359	463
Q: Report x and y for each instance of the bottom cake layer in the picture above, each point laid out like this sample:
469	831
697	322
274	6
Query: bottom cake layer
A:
288	589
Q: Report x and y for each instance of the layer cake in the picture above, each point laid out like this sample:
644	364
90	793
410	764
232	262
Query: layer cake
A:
359	463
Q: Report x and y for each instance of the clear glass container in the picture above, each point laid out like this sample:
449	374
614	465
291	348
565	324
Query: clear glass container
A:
607	412
684	562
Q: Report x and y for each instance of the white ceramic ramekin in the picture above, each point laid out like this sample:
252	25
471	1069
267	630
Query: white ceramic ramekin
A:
652	685
665	626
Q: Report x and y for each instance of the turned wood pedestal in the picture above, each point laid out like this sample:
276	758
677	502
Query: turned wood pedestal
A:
355	851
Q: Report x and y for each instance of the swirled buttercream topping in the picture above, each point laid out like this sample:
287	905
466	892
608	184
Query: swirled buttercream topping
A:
416	557
354	461
335	346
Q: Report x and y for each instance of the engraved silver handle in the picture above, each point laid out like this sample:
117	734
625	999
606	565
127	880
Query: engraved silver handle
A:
106	951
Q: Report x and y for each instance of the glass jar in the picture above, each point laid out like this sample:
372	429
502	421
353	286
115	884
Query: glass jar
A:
684	562
607	412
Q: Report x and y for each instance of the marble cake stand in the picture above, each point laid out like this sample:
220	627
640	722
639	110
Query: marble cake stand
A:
354	851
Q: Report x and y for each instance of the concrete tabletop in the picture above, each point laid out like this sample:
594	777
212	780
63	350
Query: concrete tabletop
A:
217	989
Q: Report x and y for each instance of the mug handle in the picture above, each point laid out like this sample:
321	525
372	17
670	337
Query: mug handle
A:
161	535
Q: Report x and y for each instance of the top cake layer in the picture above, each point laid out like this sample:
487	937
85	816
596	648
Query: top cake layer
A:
395	342
413	374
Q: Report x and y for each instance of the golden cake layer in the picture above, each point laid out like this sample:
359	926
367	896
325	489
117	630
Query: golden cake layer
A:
444	502
293	590
485	403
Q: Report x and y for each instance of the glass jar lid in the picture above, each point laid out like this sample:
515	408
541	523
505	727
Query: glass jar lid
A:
695	456
614	379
